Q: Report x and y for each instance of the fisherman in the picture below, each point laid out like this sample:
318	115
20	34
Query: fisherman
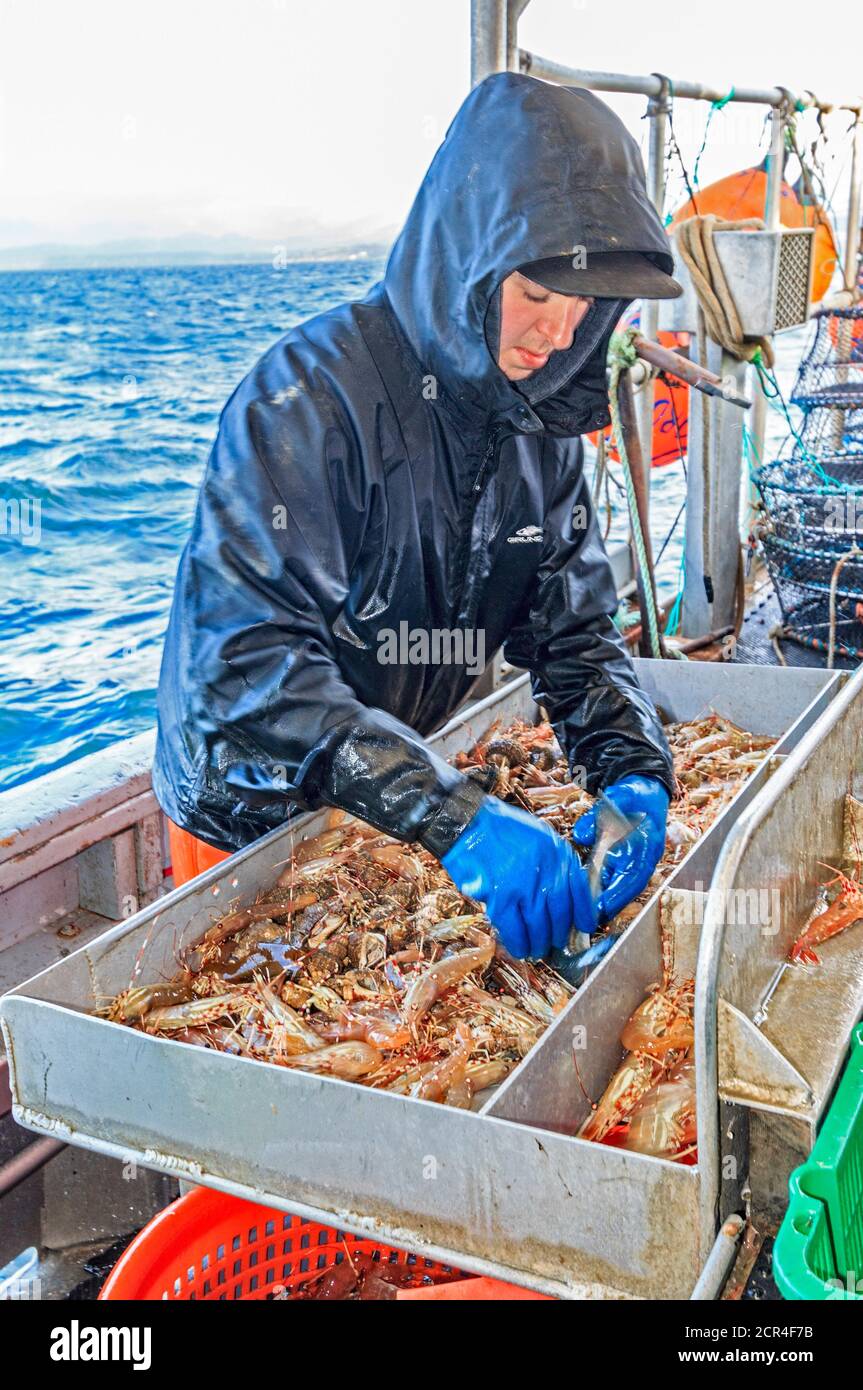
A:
415	458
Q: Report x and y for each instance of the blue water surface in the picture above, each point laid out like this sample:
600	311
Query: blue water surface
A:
111	384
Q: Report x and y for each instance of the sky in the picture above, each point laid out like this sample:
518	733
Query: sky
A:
257	118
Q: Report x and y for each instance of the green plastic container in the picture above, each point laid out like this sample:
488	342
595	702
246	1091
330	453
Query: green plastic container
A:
819	1248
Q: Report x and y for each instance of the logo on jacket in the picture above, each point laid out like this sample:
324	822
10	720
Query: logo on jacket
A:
528	535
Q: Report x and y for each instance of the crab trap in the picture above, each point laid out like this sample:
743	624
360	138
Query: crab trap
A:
812	536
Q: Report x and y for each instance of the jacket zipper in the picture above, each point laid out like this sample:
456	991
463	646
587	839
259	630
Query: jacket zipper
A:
491	448
492	445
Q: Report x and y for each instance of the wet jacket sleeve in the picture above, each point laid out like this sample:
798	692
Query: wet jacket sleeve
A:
260	587
581	671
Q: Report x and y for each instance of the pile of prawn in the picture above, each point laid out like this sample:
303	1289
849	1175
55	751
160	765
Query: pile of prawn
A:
648	1105
712	758
364	963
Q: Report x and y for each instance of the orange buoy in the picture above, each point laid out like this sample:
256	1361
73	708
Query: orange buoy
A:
743	195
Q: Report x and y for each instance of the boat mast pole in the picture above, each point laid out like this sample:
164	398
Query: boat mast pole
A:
488	38
852	236
772	208
514	11
849	274
658	109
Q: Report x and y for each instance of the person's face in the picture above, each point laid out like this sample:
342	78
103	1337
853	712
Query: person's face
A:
534	323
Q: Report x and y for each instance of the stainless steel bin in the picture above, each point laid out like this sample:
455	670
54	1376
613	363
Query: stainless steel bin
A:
489	1191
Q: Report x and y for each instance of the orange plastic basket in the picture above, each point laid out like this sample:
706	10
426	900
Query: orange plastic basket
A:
208	1245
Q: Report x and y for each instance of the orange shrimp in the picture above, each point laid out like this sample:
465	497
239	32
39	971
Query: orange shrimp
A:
139	1000
428	986
346	1060
663	1121
845	909
383	1029
662	1023
174	1017
450	1072
632	1080
287	1030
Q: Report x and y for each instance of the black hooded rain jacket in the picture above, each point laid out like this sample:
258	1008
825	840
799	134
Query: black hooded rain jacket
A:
376	468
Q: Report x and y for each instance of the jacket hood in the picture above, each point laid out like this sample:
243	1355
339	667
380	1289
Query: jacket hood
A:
527	170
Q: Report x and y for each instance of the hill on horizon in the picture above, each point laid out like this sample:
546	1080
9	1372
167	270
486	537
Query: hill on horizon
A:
192	250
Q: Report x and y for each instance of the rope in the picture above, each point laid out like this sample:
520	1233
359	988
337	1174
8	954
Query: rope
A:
672	142
599	468
706	490
673	620
834	582
695	244
773	395
671	530
815	644
775	634
609	514
622	356
714	107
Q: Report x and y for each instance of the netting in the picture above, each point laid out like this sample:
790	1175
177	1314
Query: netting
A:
835	359
830	431
812	531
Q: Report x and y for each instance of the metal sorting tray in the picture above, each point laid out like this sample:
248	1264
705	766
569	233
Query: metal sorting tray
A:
486	1191
777	1048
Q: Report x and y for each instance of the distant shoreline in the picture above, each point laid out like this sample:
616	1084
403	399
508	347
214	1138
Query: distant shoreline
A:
168	260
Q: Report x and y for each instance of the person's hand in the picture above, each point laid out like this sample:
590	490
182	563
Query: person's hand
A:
530	881
629	865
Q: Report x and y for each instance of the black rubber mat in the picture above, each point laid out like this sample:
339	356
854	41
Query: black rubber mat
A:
754	645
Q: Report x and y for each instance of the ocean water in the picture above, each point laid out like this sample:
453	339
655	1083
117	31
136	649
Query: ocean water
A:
111	385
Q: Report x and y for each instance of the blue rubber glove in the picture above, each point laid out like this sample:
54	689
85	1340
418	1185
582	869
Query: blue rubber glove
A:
629	865
530	881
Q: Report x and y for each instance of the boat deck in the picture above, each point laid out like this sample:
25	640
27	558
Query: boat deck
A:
755	646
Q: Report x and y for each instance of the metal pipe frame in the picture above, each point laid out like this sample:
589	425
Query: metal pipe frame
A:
852	240
780	98
772	209
651	86
514	11
719	1261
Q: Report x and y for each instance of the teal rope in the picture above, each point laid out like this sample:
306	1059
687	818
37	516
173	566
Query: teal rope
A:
774	394
674	616
714	106
621	356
